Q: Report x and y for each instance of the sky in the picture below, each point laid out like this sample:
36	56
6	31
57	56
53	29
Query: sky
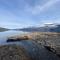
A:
26	13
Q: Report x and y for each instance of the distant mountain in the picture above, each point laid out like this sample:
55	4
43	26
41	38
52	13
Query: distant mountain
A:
34	29
45	28
3	29
56	29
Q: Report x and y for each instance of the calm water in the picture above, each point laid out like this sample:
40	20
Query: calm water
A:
4	35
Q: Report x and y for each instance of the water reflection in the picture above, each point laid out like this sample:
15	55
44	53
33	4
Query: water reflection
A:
4	35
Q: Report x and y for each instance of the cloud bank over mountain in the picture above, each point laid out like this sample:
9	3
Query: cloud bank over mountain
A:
24	13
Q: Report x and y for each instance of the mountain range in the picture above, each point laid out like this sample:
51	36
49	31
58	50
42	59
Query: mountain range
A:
45	28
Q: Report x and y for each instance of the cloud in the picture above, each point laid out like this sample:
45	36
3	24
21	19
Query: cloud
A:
23	13
38	8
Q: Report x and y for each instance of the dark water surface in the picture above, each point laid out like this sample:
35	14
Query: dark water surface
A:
35	51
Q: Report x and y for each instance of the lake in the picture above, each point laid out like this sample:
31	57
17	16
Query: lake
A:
34	50
4	35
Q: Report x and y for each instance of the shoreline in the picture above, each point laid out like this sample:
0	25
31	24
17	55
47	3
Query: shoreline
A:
47	39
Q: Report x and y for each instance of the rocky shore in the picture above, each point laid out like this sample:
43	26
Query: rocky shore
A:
49	40
28	50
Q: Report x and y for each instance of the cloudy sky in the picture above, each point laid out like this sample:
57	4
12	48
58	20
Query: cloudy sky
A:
24	13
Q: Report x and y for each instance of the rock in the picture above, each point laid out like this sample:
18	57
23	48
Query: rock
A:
50	49
57	48
13	39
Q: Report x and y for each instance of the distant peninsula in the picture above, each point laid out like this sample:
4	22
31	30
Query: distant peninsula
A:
3	29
